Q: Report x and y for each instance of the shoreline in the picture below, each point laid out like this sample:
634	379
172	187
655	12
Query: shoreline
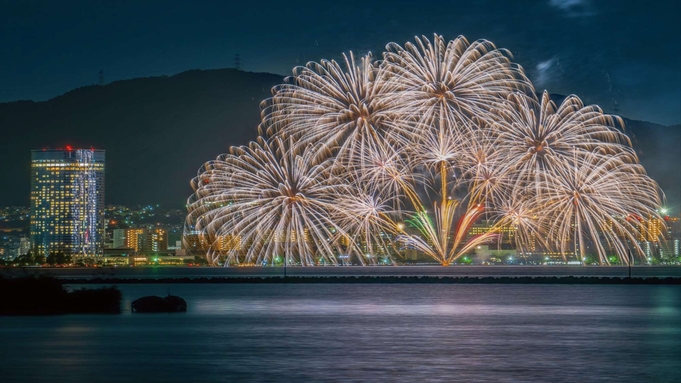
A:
161	272
567	280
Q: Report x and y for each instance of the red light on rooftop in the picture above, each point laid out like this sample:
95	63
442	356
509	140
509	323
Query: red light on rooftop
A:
634	216
69	148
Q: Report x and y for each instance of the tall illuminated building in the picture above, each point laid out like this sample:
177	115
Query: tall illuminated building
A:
67	202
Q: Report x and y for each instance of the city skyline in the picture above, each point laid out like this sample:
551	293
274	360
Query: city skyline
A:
165	122
358	191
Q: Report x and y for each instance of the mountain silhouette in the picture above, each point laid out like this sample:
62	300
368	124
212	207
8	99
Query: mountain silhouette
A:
158	131
659	148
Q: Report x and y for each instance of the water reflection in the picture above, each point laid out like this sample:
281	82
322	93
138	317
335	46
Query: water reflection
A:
358	333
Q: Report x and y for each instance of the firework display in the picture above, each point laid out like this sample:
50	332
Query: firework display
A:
362	160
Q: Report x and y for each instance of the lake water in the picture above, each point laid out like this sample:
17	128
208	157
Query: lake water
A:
360	333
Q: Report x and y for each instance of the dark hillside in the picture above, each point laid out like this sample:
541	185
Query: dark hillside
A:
156	131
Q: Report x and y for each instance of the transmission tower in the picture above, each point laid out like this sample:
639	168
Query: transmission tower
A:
237	61
101	77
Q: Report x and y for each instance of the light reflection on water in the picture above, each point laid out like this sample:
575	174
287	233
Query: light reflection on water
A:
358	333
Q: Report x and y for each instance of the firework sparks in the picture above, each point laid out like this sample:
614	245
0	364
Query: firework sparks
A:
448	85
266	203
438	135
590	206
573	149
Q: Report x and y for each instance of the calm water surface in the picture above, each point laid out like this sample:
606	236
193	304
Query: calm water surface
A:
360	333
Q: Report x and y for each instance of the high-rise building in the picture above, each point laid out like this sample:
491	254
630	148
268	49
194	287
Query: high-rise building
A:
67	202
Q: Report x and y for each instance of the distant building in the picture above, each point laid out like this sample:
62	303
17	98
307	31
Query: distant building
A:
195	242
174	236
67	202
121	256
672	246
652	230
24	246
673	227
12	247
506	233
174	246
165	259
118	238
648	248
656	230
129	238
156	241
485	254
229	242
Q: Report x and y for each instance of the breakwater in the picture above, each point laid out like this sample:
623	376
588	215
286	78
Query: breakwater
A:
50	296
390	280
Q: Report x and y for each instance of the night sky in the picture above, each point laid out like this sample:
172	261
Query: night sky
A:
607	52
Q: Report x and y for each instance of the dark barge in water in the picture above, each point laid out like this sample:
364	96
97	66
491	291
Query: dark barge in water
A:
155	304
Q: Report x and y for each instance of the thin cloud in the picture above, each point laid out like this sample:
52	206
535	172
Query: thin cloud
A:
543	72
573	8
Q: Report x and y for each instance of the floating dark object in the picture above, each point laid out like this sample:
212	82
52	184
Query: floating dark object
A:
154	304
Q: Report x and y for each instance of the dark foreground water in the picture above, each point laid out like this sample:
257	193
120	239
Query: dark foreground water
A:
360	333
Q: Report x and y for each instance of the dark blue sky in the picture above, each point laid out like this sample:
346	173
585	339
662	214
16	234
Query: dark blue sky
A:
627	52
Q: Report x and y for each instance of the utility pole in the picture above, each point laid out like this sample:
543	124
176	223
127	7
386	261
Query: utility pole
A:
237	61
